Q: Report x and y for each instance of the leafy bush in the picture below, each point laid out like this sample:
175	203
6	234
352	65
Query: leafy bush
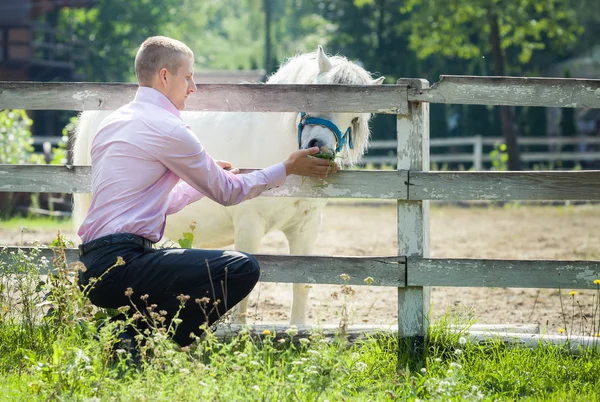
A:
15	137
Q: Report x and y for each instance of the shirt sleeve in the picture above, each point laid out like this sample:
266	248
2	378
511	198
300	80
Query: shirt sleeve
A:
182	195
181	152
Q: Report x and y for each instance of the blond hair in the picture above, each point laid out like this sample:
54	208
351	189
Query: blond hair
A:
158	52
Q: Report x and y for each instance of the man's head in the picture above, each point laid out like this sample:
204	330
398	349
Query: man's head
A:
166	65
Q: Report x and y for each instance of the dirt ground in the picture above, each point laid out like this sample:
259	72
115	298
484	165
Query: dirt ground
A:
509	232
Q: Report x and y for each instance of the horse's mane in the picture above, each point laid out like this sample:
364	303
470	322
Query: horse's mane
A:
304	69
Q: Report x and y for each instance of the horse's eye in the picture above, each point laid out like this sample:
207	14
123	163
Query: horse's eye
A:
355	120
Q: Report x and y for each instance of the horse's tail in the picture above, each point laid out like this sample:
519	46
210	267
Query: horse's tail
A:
87	126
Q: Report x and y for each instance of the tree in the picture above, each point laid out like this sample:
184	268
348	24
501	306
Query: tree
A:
114	30
509	31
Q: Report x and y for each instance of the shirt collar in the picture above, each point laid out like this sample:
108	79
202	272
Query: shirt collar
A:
154	97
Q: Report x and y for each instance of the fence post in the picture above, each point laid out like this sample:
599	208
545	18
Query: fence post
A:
413	221
478	153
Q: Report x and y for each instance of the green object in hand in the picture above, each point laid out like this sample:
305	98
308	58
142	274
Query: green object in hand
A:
325	155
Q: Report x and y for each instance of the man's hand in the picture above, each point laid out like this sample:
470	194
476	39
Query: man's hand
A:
302	164
227	166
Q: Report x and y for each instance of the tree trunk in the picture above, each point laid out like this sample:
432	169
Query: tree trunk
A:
7	205
509	129
268	47
380	25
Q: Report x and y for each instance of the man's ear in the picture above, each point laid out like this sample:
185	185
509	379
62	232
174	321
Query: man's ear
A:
162	76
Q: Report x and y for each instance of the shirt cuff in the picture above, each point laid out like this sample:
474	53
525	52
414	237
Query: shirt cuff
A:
275	175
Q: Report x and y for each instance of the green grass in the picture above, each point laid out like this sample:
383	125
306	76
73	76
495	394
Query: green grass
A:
76	368
49	351
36	222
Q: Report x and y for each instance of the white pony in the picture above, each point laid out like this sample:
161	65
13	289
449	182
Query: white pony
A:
258	140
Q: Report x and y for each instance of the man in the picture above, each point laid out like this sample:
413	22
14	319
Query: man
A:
139	155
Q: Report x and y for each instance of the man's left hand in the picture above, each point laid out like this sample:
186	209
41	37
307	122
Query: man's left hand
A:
227	166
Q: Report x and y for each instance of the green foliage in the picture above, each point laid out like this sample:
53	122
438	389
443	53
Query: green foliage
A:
187	239
462	28
499	157
227	34
114	30
16	141
15	137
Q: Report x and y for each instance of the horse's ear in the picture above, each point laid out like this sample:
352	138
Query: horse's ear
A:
324	63
378	81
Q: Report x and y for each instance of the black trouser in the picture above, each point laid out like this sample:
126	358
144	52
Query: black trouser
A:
224	277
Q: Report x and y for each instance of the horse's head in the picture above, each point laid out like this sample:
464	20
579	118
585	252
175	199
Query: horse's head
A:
343	136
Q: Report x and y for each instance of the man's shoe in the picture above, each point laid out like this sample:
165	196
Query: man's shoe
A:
129	346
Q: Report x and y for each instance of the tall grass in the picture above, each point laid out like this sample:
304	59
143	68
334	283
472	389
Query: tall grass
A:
51	349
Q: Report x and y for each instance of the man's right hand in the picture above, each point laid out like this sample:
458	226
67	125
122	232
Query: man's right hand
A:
302	164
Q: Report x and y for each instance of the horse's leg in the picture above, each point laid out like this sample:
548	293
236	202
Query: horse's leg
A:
249	229
302	239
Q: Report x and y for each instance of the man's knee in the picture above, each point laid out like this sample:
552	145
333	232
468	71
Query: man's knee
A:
241	269
251	267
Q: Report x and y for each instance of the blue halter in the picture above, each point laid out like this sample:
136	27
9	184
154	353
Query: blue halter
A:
305	120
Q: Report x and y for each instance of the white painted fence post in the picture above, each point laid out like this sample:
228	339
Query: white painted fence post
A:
478	153
413	218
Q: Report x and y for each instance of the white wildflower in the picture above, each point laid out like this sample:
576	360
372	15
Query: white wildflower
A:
360	366
292	331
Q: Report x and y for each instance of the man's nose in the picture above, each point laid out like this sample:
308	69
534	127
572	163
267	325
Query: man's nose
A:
192	87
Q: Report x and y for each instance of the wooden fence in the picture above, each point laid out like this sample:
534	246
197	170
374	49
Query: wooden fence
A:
412	271
479	154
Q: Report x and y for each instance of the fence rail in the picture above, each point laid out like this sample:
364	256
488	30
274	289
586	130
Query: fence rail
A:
550	92
397	185
411	271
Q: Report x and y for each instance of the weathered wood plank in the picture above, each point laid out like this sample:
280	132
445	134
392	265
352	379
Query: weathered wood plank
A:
413	217
215	97
347	184
550	92
575	344
353	333
45	178
567	275
514	91
385	271
226	332
344	184
550	185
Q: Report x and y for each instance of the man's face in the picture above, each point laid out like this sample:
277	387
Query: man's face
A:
180	84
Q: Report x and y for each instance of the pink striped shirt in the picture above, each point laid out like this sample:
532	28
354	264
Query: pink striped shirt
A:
139	155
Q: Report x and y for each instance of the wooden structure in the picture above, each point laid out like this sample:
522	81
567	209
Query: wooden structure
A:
30	48
412	270
588	150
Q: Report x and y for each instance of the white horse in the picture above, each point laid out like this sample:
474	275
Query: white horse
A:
258	140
